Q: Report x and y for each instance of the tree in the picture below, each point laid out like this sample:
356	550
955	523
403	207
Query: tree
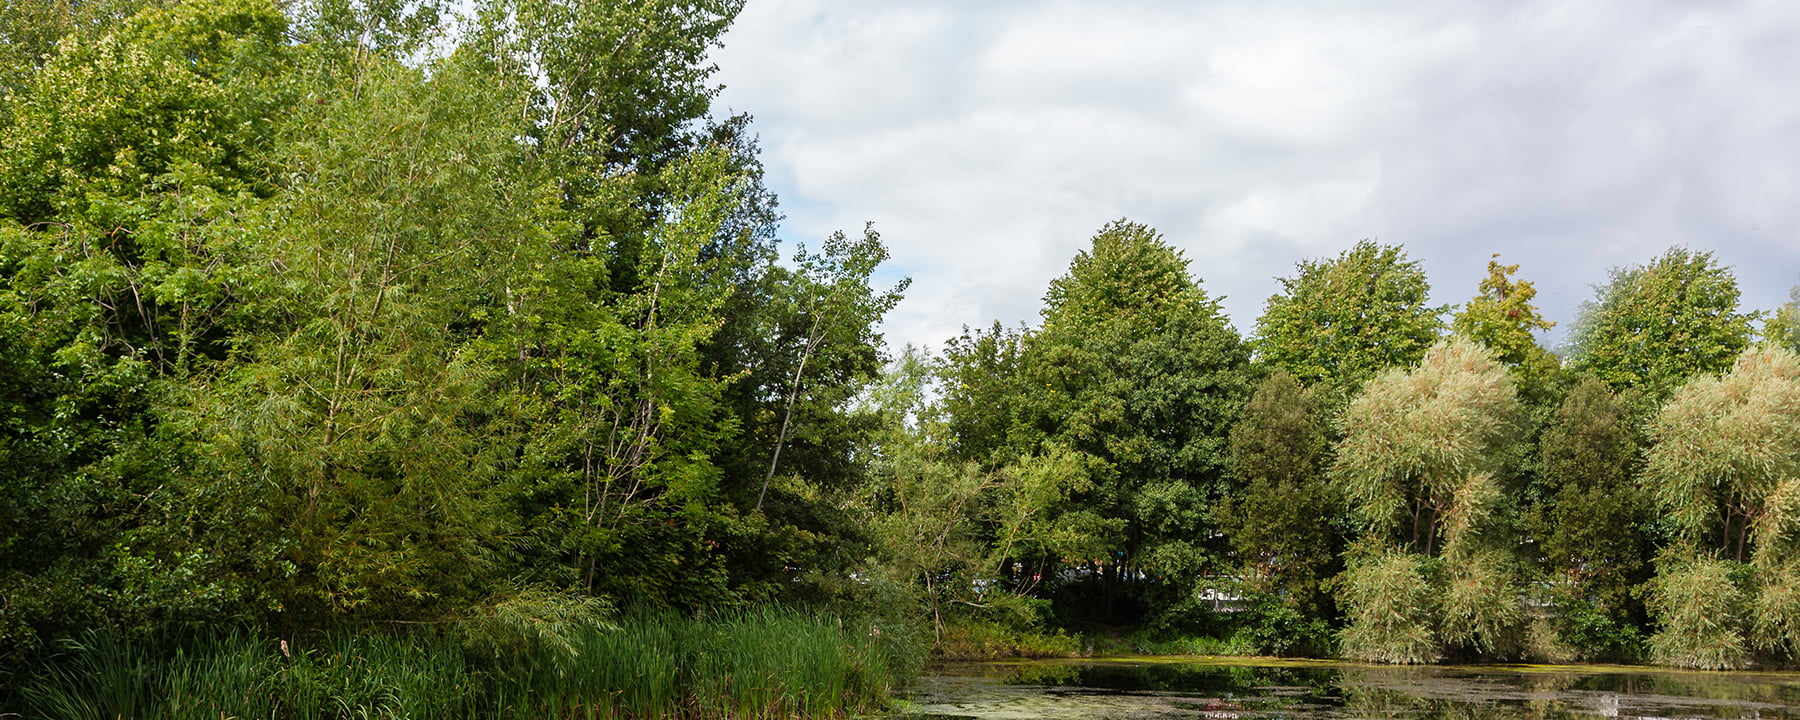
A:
1502	318
838	311
802	349
1593	525
950	529
132	169
1724	472
1136	368
320	314
1342	321
31	29
1783	325
982	392
1285	523
1418	464
1653	326
1281	528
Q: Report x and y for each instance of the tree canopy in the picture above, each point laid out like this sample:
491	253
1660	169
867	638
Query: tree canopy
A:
1502	318
1342	321
1657	324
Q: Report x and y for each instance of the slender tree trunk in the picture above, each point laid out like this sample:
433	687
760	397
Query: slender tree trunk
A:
813	339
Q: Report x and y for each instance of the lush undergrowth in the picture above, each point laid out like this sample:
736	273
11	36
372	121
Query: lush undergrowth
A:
765	664
978	640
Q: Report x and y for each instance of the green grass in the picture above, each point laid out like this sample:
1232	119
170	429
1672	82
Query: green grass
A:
758	664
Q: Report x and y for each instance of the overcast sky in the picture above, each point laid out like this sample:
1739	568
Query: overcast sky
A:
988	140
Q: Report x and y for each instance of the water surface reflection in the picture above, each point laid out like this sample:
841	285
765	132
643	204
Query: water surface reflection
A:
1234	689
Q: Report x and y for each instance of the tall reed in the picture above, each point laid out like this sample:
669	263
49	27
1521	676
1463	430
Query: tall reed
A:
765	663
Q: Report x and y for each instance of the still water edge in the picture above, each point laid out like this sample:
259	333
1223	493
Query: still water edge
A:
1253	689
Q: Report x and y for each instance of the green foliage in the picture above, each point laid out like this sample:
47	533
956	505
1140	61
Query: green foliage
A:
1418	464
31	29
1783	325
1593	524
1727	454
1135	368
1342	321
954	532
130	172
1281	527
821	318
1590	633
1653	326
322	314
988	640
1420	448
1702	611
1481	604
1275	626
1502	318
337	315
1391	603
984	391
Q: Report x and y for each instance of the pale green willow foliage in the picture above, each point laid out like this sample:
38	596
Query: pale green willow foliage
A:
1702	614
1392	609
1726	472
1418	467
1420	447
1727	458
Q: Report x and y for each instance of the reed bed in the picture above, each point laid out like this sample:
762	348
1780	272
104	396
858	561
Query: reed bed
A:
760	664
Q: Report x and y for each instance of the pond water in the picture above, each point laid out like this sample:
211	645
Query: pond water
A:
1250	689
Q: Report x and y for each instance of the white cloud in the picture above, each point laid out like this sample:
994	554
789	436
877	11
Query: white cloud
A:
988	141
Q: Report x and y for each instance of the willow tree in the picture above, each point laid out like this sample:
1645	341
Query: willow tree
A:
1418	465
1725	471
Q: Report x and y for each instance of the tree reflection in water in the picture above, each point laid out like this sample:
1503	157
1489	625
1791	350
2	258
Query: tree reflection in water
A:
1155	688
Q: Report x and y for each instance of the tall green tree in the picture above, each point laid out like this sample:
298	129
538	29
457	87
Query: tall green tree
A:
1281	527
1594	525
1342	321
808	347
1723	472
1136	367
1419	465
323	313
355	430
948	528
1653	326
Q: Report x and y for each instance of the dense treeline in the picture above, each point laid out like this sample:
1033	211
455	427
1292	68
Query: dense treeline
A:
1376	477
351	318
339	315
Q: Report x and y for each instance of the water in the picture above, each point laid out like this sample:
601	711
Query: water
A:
1243	689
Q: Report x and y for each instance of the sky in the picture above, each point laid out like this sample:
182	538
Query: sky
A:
988	140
